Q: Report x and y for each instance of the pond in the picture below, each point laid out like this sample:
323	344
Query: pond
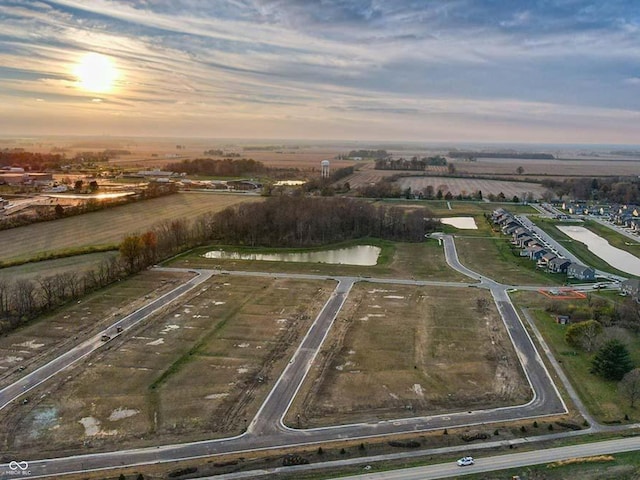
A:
463	223
623	261
365	255
90	196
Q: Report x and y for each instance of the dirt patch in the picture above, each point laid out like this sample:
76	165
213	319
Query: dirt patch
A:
424	351
223	347
38	342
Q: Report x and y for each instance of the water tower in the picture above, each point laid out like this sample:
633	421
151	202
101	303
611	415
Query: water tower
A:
325	168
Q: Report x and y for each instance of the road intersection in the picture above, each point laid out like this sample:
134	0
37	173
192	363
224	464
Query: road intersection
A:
267	430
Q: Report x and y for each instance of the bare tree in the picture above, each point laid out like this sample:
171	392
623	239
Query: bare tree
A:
131	251
49	290
5	290
23	297
629	386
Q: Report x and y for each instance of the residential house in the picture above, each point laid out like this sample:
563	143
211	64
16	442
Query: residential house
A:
631	287
546	258
558	265
535	252
519	233
580	272
525	241
510	227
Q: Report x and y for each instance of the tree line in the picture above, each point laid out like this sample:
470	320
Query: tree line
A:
414	163
377	154
312	221
623	190
218	168
23	299
31	161
524	156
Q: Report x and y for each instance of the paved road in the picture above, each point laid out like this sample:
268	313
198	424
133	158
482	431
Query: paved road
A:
267	430
503	462
269	417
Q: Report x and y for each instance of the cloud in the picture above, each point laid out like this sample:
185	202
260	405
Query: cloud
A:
330	65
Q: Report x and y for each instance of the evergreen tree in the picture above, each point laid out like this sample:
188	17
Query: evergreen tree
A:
612	361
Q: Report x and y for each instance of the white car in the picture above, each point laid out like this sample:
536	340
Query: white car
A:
465	461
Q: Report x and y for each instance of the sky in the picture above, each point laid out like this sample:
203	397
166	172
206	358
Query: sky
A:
545	71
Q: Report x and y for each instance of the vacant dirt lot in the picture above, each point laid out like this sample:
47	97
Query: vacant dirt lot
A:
109	226
31	345
199	369
400	351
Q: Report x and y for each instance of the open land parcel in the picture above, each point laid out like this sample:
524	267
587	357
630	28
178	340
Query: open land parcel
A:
198	369
400	351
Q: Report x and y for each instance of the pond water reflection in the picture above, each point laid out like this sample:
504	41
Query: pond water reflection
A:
365	255
623	261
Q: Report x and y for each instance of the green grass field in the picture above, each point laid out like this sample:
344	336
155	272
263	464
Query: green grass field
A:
601	397
424	260
462	207
493	257
76	263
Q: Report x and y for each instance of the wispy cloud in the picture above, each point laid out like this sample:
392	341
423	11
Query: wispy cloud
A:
336	67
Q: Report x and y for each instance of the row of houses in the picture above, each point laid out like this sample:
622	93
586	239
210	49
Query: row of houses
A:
624	215
531	247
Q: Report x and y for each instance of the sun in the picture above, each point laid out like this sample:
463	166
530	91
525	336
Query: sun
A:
96	73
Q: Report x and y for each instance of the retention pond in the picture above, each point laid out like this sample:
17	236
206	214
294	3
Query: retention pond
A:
365	255
623	261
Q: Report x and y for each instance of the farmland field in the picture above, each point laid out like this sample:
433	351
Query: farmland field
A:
199	369
368	175
470	185
545	168
76	263
108	226
399	351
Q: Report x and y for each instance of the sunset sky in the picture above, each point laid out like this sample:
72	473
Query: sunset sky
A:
554	71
